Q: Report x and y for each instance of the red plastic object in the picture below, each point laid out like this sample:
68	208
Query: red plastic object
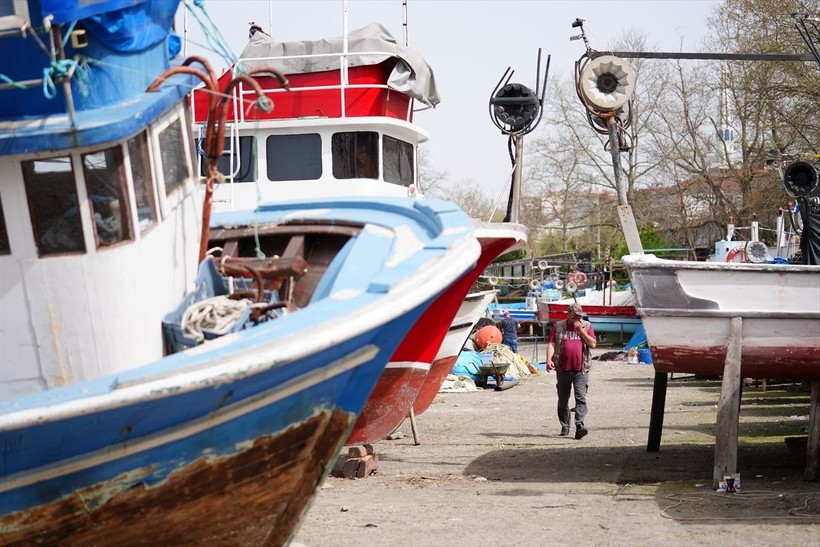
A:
487	334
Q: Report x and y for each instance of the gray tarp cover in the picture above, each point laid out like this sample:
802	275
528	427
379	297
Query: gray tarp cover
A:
412	75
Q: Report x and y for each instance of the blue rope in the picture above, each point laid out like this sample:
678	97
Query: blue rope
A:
67	35
11	82
57	69
212	34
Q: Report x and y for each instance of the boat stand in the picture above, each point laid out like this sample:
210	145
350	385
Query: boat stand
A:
360	461
728	414
728	411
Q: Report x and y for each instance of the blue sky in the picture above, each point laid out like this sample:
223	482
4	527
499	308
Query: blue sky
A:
469	44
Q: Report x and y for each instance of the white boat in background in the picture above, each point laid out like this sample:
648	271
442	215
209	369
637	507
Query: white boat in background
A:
687	308
126	418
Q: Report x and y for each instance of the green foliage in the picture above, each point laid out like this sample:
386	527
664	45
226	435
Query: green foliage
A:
514	255
549	243
650	238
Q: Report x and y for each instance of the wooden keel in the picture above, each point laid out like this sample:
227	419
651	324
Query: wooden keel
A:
728	412
653	443
813	442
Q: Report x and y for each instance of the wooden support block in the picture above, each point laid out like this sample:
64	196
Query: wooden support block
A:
367	465
359	462
728	413
350	468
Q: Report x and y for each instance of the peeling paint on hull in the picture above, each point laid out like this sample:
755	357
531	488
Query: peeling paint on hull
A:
255	497
797	363
438	372
687	308
389	404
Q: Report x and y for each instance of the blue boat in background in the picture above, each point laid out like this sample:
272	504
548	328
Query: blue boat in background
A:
151	392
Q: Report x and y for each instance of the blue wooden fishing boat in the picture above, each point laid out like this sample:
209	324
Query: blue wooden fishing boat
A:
145	398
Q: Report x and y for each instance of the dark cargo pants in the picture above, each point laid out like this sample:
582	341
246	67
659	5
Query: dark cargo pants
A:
577	381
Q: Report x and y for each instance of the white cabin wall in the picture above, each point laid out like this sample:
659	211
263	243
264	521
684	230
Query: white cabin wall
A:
247	195
110	319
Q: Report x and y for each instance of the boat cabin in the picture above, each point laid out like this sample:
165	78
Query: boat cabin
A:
345	126
100	210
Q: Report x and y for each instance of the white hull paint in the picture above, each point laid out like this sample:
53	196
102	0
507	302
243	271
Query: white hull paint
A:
687	308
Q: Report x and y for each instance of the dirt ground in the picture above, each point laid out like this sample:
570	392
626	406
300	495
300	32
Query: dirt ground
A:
491	470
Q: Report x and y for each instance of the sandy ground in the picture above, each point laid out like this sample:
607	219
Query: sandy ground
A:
491	470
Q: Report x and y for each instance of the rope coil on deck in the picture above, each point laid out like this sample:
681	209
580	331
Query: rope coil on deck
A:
218	314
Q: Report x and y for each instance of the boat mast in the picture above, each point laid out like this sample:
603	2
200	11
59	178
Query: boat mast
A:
344	63
404	22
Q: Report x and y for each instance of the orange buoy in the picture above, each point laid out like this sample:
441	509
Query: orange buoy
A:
487	334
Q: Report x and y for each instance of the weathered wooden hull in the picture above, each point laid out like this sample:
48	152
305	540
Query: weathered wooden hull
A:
254	497
686	308
230	464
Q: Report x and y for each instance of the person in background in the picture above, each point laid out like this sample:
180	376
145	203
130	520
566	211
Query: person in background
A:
568	353
509	331
599	279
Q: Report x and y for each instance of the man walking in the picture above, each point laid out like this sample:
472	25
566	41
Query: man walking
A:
568	353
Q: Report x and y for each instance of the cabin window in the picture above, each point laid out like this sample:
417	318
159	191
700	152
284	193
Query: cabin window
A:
294	157
13	15
355	155
244	160
172	154
5	248
143	181
52	203
397	161
105	181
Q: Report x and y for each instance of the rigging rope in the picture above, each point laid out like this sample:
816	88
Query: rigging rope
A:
212	34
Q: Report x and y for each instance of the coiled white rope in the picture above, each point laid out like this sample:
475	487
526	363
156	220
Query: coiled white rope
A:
217	314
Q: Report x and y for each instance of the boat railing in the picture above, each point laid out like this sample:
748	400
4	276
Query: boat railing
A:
348	97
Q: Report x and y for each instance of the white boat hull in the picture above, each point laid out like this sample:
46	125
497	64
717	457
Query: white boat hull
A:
687	308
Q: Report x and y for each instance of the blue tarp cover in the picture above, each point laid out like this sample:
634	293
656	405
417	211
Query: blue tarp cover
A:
637	338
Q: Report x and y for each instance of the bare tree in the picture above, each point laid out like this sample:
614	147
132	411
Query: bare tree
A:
472	199
431	180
